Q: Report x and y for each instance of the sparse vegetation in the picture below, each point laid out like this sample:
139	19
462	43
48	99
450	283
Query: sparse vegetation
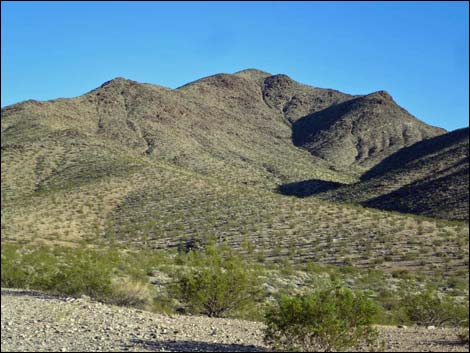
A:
126	194
133	293
213	280
83	274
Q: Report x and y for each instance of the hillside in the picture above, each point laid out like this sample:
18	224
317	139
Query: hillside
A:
428	178
238	127
296	100
219	126
360	132
144	166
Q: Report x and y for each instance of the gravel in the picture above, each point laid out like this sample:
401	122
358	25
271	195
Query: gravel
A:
32	321
37	322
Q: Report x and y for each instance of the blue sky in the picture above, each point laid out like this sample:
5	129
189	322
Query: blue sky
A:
417	51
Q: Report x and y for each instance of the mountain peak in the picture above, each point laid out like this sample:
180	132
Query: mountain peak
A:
361	131
379	96
255	75
118	81
252	73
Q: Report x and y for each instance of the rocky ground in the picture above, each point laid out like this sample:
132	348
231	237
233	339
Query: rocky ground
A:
32	321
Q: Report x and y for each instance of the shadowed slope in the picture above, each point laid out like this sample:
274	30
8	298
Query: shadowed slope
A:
295	100
429	177
360	132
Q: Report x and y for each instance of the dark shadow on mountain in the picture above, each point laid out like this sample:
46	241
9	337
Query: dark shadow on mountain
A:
448	190
321	120
307	188
192	346
417	151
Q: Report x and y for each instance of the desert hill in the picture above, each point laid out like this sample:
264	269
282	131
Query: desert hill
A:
244	122
428	178
146	166
361	131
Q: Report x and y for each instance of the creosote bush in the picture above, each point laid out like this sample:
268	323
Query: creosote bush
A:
329	319
429	308
106	275
131	292
217	283
69	272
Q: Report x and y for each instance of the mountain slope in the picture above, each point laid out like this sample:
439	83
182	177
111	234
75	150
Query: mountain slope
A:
239	127
360	132
219	125
444	197
429	178
145	166
296	100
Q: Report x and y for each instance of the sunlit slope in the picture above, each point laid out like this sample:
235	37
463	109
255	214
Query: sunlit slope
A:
144	166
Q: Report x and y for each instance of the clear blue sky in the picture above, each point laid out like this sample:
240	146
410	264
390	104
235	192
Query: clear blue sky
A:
418	51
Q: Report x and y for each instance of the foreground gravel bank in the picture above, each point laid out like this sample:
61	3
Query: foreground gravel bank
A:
35	322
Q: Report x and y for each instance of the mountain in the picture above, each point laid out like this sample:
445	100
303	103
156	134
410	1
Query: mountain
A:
141	165
433	176
245	122
296	100
219	125
360	132
430	177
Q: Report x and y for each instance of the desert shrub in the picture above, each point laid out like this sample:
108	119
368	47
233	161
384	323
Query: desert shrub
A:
131	292
70	272
329	319
463	336
388	303
13	274
430	308
86	274
76	272
217	283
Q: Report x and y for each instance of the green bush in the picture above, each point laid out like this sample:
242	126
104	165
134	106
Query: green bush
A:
217	283
13	274
329	319
430	308
105	275
71	272
132	293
